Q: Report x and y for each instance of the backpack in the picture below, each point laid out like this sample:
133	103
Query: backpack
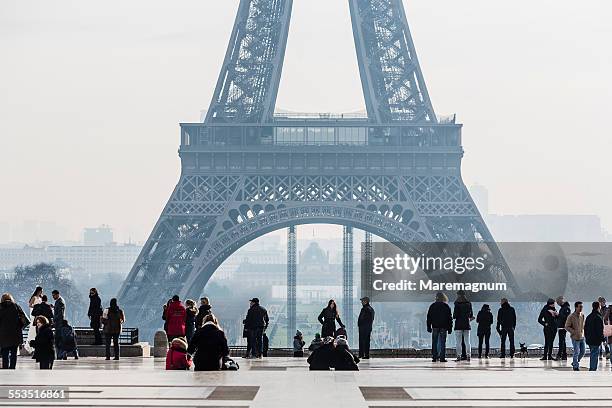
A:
229	364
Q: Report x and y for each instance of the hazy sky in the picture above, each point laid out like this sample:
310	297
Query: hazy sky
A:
91	94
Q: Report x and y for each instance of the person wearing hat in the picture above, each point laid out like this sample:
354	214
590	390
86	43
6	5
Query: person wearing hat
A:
177	357
343	359
298	344
255	323
322	357
365	322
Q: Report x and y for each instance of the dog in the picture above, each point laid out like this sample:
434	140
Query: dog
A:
524	352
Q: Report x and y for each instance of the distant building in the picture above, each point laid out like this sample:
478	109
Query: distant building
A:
102	235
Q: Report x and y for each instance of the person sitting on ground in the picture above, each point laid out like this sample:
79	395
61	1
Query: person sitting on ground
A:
43	344
68	342
298	344
316	342
43	309
322	357
208	346
177	357
343	359
341	331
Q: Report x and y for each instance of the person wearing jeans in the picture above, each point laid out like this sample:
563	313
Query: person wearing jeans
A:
463	315
574	325
439	322
594	335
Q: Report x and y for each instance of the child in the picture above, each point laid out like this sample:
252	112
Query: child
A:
315	343
298	344
484	320
177	358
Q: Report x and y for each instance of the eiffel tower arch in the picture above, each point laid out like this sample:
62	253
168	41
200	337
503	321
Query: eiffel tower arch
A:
246	171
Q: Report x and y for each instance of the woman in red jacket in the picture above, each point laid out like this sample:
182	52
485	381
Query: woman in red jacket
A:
175	319
177	358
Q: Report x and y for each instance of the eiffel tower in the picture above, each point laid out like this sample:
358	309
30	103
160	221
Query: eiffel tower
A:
246	171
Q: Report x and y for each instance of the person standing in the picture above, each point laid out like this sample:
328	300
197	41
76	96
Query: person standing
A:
190	319
59	315
548	320
113	319
564	312
44	352
603	309
463	315
593	333
298	344
95	313
365	323
485	321
328	318
175	318
12	322
203	310
35	299
208	345
256	323
506	324
574	324
439	322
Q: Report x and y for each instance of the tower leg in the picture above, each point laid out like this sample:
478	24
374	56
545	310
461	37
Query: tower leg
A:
291	284
347	279
366	265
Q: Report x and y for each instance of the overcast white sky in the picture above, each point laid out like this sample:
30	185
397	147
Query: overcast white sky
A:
91	94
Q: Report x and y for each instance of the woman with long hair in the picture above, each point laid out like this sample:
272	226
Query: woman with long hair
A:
328	318
35	299
113	319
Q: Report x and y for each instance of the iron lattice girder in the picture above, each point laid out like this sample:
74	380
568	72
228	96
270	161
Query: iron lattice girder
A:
248	83
291	282
347	278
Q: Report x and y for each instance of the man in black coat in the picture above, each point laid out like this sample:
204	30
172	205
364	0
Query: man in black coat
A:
43	309
594	334
564	312
204	310
59	315
256	322
95	313
548	320
12	320
439	322
365	322
506	323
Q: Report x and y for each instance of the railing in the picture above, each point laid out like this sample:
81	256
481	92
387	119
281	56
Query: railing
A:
85	336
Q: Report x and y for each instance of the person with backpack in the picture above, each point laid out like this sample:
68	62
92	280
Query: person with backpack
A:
43	344
298	344
175	315
12	322
208	346
68	342
177	357
112	319
485	321
463	315
506	324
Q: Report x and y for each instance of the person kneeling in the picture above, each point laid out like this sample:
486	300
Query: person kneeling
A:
343	359
177	357
322	357
209	345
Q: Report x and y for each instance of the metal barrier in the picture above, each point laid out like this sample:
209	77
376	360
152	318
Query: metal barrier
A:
85	336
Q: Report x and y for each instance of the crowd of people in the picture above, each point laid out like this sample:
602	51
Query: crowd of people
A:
196	338
50	334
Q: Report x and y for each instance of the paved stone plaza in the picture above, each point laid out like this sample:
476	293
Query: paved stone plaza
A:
286	382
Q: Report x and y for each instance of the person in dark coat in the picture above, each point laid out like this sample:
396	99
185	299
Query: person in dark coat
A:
12	322
43	344
43	309
113	319
548	320
59	315
506	323
439	323
564	311
343	359
594	334
322	358
365	323
485	321
208	346
316	342
203	310
190	319
298	344
256	323
463	315
68	342
95	313
328	318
